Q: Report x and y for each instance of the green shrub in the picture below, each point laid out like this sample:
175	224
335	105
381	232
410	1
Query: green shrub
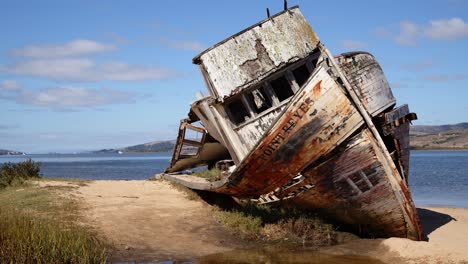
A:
17	173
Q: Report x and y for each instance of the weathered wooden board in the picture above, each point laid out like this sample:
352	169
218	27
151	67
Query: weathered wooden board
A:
368	80
251	132
316	120
352	187
247	57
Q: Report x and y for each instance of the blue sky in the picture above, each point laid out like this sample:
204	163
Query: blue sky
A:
85	75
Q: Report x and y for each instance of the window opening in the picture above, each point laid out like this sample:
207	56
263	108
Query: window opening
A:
237	111
301	74
282	88
259	100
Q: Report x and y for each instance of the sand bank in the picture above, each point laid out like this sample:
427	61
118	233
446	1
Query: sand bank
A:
151	220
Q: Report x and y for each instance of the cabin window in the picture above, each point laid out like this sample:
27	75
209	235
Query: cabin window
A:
282	88
259	100
301	74
237	111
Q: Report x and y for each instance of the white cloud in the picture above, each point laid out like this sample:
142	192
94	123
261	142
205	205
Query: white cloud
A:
449	29
82	69
382	32
9	85
184	44
409	32
73	48
443	29
444	77
353	45
68	97
418	66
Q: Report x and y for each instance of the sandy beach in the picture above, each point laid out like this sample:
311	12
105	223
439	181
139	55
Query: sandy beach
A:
151	220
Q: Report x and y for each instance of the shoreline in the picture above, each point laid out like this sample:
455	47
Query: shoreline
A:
138	216
170	152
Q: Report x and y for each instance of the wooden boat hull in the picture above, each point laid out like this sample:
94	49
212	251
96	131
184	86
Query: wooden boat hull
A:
321	138
302	127
353	187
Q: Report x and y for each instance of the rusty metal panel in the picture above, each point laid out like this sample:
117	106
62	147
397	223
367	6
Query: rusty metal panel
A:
397	125
352	187
368	80
317	119
247	57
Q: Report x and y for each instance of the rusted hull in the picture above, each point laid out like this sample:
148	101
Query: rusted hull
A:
317	119
352	186
344	176
302	127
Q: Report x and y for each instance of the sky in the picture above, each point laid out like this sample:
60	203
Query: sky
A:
86	75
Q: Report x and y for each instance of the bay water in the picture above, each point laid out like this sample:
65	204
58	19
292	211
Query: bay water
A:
437	178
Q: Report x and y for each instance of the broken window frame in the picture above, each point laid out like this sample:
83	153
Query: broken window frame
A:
267	99
287	74
232	116
303	65
280	88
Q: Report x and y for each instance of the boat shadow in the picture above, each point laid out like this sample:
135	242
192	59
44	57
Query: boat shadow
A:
432	220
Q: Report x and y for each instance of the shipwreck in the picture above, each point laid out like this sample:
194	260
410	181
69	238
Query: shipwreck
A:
288	122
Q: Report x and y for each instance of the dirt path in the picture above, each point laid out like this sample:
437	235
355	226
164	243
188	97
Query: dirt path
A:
150	220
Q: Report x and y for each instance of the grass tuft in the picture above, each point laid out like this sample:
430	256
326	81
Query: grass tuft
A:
38	225
189	193
211	175
261	222
245	226
25	238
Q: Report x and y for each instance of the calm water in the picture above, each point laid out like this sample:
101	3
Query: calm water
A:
437	178
112	166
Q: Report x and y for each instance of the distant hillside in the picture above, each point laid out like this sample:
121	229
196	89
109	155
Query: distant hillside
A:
437	129
422	137
450	137
10	152
155	146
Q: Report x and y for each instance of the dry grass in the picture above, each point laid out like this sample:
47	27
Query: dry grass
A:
189	193
210	175
37	225
269	224
25	238
260	222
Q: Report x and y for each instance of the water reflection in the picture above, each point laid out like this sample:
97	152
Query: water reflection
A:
283	256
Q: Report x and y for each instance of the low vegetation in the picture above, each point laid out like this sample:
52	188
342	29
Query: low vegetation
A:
211	174
261	222
12	174
189	193
255	222
39	226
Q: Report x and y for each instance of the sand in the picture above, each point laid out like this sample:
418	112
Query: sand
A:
151	220
447	232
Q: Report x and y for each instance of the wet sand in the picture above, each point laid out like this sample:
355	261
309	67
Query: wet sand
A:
151	221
